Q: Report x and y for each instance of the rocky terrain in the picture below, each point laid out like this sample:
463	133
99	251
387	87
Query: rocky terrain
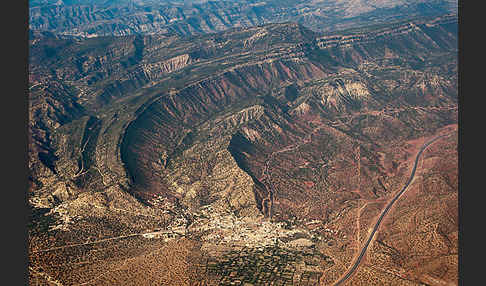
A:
251	155
102	18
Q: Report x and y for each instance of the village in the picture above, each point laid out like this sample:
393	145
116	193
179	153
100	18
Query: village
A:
261	252
253	250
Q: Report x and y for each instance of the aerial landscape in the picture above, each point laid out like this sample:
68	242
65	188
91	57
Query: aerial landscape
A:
244	142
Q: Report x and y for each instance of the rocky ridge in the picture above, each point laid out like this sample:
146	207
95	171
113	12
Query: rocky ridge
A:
101	18
265	123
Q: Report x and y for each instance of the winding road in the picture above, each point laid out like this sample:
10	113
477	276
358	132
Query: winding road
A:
353	268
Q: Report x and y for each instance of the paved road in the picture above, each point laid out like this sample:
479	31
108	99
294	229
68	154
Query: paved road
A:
385	211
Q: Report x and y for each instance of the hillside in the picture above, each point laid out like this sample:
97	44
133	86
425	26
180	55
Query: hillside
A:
225	143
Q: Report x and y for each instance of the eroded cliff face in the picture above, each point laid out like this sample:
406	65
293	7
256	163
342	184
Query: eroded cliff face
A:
139	134
155	70
231	81
206	111
189	85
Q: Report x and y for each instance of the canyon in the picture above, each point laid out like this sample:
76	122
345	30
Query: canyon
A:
177	160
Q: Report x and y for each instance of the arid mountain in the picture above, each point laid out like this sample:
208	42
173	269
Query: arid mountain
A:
273	145
127	17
